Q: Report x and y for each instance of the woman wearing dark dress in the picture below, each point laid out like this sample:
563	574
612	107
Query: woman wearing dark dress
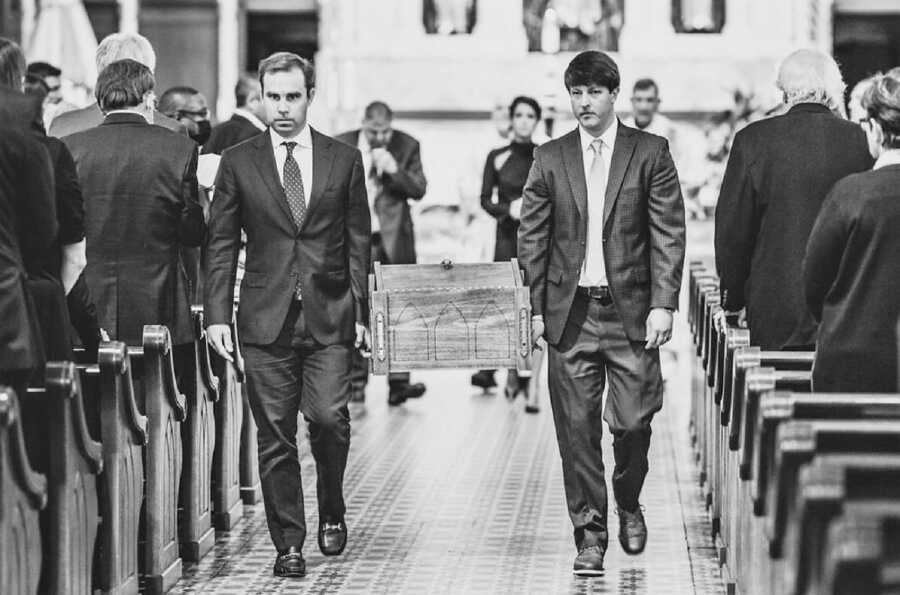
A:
505	173
852	266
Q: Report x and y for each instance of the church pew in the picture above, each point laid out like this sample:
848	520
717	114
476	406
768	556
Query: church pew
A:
710	308
73	460
699	276
859	551
227	503
198	435
165	408
23	494
251	488
830	486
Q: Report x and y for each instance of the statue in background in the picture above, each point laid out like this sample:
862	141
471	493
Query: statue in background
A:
573	25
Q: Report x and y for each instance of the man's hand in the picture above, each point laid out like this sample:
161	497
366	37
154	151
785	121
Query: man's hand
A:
219	336
659	328
362	338
515	209
384	161
537	332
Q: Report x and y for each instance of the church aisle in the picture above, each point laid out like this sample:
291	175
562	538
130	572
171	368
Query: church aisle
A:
461	492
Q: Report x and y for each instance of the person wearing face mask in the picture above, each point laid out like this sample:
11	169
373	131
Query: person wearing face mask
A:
851	272
188	106
139	184
505	172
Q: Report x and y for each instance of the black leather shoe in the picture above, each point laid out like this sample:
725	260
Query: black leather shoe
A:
332	537
399	394
484	379
589	561
290	563
632	531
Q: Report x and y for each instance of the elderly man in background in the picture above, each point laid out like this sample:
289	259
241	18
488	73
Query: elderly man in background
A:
779	171
115	47
247	121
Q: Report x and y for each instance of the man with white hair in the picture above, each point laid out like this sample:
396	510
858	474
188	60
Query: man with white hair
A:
114	47
779	171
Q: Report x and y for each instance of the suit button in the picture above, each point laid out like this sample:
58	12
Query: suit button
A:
583	243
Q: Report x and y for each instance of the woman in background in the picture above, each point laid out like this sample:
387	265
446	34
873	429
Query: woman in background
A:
505	173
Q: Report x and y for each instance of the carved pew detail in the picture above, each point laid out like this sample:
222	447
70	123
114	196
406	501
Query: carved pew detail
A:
251	489
23	493
227	504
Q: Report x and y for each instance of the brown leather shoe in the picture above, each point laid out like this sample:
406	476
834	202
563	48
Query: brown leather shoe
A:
632	530
290	563
589	561
332	537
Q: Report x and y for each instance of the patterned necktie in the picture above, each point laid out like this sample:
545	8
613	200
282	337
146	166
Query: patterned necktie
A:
296	197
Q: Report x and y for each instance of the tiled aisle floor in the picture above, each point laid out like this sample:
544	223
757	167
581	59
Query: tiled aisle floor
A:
461	492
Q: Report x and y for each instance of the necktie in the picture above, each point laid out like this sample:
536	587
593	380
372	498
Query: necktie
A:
296	197
596	189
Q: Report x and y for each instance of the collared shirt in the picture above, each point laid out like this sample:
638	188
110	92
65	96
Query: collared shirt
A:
593	271
889	157
250	117
373	183
659	125
132	112
302	155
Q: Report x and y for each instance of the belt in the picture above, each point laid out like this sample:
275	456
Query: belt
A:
596	292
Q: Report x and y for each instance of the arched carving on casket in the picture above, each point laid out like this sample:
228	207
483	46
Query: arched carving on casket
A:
410	335
494	335
451	334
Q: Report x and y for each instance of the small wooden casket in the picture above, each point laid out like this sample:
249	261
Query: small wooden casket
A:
449	316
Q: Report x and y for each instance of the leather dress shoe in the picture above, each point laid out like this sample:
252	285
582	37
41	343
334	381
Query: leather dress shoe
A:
589	561
399	394
484	379
332	537
632	530
290	563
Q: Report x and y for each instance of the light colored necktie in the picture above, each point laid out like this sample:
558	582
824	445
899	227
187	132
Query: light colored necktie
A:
596	189
296	196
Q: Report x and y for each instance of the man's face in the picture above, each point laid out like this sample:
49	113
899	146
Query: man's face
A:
378	131
644	104
286	101
54	95
193	113
593	106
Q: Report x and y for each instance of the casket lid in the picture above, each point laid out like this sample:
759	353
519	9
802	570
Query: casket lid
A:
487	275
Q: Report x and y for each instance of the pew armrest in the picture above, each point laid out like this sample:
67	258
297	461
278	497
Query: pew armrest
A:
113	356
33	484
63	380
158	342
204	363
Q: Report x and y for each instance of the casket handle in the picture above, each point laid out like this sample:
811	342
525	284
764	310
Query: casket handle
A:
379	336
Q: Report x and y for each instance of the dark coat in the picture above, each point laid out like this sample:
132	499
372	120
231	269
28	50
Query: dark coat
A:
89	117
140	190
507	180
331	252
391	205
643	229
778	173
230	133
852	281
28	228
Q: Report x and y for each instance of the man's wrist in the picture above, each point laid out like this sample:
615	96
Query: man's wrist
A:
537	318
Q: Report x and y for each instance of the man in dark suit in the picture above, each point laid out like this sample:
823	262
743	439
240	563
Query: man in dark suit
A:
602	241
394	176
114	47
300	197
779	171
246	122
140	191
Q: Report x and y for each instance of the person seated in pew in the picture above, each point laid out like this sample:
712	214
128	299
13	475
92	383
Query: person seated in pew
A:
139	184
852	265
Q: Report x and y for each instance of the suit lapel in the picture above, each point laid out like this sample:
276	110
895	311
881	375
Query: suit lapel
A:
321	161
265	163
621	157
574	164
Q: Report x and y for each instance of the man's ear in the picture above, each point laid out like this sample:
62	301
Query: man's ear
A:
311	94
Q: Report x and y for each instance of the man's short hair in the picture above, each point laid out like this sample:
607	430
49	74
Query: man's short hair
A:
882	104
378	110
811	76
123	84
12	64
646	84
246	86
287	61
174	99
122	46
43	70
592	68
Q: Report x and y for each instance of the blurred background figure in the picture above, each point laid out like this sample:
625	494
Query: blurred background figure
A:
856	113
247	121
645	111
394	176
505	173
187	106
852	266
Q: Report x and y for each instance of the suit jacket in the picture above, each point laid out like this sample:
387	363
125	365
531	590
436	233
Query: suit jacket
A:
140	190
229	133
28	227
391	206
852	283
90	117
330	252
778	173
643	229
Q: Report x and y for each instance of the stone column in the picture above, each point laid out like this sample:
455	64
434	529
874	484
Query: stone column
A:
128	16
229	70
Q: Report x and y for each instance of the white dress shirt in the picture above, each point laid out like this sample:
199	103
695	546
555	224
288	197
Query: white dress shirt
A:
373	183
593	272
250	117
889	157
302	155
